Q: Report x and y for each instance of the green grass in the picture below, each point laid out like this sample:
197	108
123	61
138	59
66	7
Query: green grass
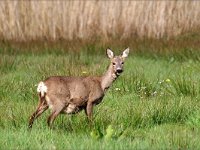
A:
153	105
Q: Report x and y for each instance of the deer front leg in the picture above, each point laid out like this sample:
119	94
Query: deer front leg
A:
89	110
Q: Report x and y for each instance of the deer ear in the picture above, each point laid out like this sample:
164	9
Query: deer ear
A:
110	54
125	53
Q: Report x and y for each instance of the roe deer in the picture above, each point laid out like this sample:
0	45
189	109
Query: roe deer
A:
63	94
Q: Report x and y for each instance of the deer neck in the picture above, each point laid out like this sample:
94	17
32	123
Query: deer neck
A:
108	78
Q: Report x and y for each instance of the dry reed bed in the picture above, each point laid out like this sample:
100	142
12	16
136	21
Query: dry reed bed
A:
52	20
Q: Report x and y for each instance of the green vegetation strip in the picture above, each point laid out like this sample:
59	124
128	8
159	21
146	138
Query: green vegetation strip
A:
153	105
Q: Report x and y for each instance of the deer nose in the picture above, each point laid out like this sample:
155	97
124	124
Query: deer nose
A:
119	70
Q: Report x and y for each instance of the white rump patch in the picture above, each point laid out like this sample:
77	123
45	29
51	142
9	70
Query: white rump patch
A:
42	88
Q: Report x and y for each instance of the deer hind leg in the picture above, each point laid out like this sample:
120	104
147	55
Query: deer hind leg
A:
56	110
40	109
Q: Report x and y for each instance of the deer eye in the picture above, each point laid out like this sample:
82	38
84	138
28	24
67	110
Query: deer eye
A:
122	63
113	63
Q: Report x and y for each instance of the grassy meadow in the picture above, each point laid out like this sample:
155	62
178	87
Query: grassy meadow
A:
154	104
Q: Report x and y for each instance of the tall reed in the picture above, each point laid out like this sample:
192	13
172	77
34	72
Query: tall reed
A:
52	20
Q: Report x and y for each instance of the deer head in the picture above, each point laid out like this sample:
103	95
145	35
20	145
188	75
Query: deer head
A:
117	62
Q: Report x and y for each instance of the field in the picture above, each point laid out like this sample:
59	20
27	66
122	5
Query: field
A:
153	105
